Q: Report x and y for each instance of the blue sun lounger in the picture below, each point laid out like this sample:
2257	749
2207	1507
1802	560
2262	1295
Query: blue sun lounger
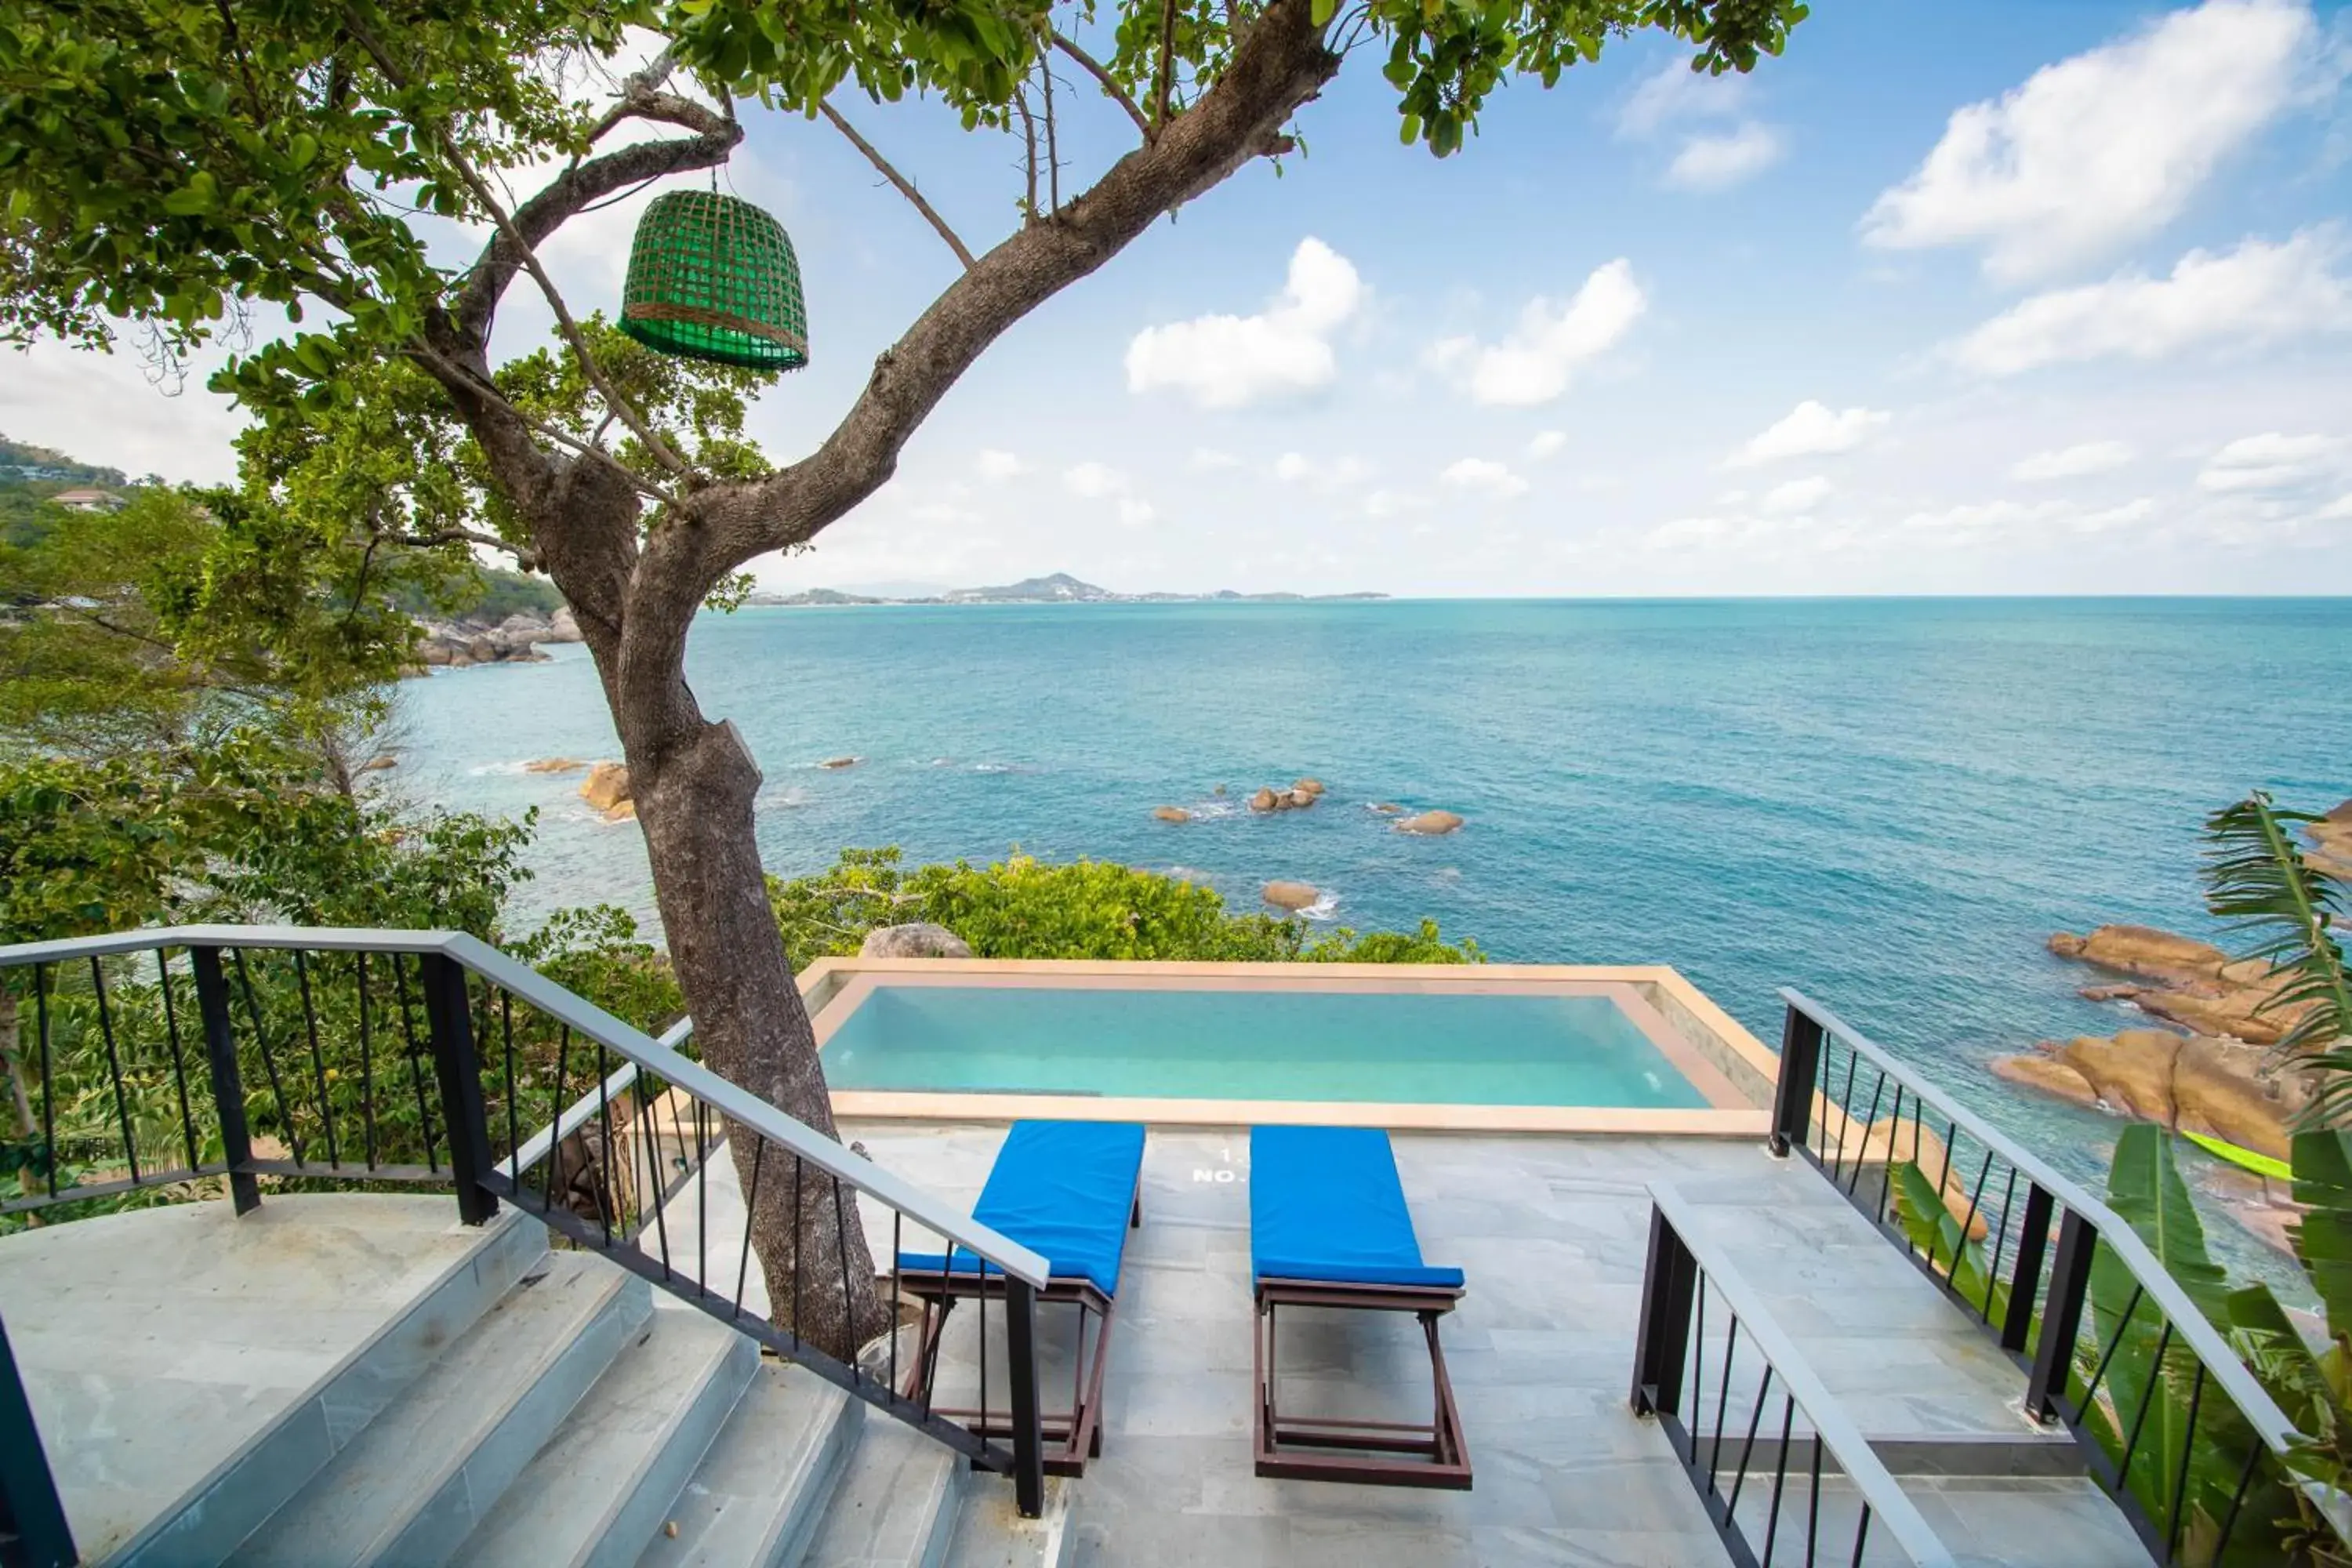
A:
1069	1190
1329	1228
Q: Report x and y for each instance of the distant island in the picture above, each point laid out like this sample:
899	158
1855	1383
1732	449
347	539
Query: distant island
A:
1061	588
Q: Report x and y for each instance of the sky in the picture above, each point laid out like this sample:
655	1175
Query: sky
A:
2014	296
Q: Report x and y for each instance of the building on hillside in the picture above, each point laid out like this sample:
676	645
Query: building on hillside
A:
89	501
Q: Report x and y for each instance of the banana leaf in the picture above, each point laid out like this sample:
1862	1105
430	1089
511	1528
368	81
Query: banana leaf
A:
1935	1230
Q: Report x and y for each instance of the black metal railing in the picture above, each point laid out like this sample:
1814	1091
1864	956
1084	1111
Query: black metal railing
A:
2112	1347
1783	1473
207	1061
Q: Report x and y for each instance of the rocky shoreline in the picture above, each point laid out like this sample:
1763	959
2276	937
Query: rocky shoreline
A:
2215	1070
463	643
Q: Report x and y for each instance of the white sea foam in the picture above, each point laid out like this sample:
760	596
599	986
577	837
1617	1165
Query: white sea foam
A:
1322	909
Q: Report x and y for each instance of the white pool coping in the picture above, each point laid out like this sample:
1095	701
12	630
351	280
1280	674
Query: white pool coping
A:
1727	1064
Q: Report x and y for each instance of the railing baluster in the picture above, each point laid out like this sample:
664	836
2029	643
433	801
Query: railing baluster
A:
367	1065
114	1065
49	1085
2000	1244
1748	1449
416	1072
268	1063
608	1174
702	1198
1780	1475
2254	1452
179	1061
1867	1123
800	1251
1722	1398
651	1138
2188	1447
1792	1110
751	1208
1886	1171
514	1123
2146	1403
555	1153
1861	1536
1845	1111
1813	1504
898	1221
317	1059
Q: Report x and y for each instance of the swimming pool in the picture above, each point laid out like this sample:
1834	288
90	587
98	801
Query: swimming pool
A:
1252	1039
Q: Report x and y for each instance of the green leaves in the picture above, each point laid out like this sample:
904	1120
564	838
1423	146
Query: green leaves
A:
2255	874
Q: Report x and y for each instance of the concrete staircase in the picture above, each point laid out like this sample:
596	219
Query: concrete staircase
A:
523	1407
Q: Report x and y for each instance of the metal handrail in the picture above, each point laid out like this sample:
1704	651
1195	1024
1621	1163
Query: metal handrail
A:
2191	1325
1834	1430
634	1045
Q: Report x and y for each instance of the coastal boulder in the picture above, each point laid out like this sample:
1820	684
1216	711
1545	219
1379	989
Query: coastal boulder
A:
917	939
1172	813
2132	1070
2048	1075
1429	823
2331	844
1263	800
2144	951
607	788
1309	787
838	762
1292	896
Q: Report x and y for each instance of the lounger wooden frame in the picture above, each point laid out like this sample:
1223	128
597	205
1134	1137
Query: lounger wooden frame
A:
1440	1458
1073	1436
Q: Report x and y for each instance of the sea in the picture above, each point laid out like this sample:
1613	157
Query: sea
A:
1888	803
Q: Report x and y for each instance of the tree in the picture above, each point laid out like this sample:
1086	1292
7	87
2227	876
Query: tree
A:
176	164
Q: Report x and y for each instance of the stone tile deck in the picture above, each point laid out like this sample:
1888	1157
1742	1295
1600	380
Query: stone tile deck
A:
1552	1232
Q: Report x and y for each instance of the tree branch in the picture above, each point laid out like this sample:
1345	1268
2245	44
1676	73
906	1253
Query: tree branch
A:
1053	148
637	423
906	188
1282	64
1110	86
1028	136
1167	63
581	186
525	557
453	373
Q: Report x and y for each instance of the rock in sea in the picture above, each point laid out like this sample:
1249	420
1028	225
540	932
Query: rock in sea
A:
607	788
1430	822
1172	813
919	939
1292	896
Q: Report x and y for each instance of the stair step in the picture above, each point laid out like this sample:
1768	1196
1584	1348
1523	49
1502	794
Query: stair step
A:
990	1533
604	1483
415	1483
896	1504
270	1467
760	1490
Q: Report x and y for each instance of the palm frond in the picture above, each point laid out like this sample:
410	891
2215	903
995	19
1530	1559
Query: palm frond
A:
2255	876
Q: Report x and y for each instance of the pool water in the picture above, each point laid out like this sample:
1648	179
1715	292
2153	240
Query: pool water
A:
1380	1047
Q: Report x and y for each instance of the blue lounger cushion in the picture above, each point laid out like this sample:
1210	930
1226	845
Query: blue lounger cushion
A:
1064	1190
1326	1206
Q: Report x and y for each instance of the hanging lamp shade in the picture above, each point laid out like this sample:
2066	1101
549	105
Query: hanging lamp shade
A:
713	278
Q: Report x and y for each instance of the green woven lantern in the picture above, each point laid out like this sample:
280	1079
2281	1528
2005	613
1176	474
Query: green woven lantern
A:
712	277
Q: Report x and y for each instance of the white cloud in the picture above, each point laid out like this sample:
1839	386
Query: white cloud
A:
1809	429
2271	461
1134	511
1546	444
1551	342
2256	294
1391	503
1718	160
1675	93
1677	97
1230	362
1484	477
1208	457
1094	480
2104	148
1796	495
2073	462
995	464
1296	468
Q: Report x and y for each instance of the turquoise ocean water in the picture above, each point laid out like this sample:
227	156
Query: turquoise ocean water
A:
1890	803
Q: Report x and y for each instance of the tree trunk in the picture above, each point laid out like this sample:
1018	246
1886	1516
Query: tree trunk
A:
22	1101
694	801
